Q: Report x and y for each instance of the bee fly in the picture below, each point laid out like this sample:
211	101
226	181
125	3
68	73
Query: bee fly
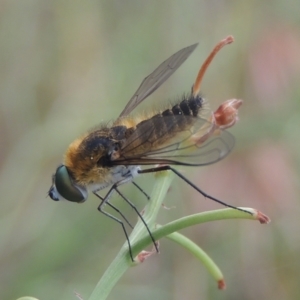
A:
110	156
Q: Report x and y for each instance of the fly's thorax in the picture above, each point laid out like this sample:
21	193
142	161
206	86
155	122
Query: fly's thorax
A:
88	158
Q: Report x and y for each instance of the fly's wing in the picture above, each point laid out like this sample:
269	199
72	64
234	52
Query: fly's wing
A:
157	78
178	140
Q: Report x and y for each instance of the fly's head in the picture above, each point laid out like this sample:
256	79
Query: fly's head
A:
87	162
64	187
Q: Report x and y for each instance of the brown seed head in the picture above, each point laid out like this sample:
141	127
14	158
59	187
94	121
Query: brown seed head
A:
227	113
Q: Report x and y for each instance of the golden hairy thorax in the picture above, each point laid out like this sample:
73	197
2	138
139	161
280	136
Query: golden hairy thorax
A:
87	158
83	156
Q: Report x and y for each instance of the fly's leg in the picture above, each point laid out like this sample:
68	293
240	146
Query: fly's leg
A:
104	200
140	216
167	168
114	208
100	208
146	195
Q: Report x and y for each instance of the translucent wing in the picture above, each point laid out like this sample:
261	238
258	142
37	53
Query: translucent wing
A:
157	78
181	140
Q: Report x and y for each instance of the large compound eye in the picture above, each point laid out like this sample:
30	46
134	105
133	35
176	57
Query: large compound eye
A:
66	188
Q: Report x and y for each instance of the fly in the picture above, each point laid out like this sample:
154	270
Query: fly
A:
110	156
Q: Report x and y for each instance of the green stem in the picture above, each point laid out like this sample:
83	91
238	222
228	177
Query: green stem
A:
122	261
208	216
201	255
140	239
27	298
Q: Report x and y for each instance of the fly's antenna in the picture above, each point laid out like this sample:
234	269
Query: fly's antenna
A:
217	48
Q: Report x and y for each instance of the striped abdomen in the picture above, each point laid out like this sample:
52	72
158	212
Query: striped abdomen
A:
189	106
160	129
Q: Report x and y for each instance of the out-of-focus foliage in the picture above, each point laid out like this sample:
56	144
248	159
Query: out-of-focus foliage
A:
66	66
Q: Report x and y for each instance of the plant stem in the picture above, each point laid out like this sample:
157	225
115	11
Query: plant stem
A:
122	261
140	239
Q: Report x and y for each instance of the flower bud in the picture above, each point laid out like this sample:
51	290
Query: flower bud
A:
227	113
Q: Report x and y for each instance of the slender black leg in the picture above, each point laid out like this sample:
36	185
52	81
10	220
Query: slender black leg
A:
100	208
147	196
104	200
166	168
140	216
114	208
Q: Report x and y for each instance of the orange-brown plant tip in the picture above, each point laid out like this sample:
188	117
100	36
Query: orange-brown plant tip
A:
217	48
221	284
227	113
262	218
229	39
143	255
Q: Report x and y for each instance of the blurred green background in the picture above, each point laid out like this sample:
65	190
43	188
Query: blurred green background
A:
68	65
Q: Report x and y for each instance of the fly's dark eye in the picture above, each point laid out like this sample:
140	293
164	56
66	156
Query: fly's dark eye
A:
66	188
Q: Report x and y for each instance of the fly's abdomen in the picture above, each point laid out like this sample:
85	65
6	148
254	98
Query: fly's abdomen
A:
181	116
189	106
152	133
